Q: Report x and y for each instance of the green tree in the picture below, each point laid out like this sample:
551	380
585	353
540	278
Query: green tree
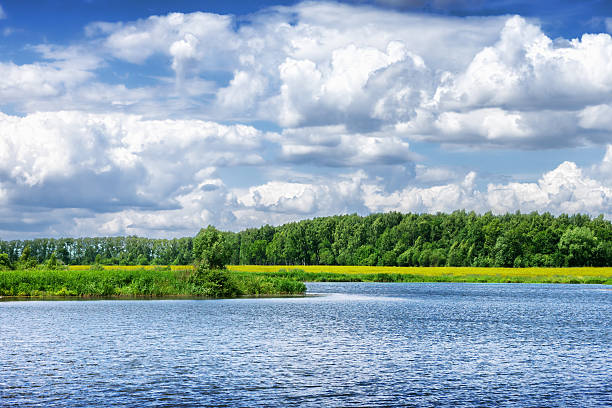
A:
257	252
366	255
507	248
389	259
26	261
603	254
210	249
577	244
54	263
5	262
142	260
326	256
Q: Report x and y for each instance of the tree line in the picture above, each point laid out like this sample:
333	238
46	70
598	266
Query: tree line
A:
129	250
389	239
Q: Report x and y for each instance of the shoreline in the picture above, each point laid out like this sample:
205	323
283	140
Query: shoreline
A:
253	281
145	297
52	298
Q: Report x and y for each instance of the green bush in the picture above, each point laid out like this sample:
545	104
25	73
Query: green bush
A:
5	262
213	283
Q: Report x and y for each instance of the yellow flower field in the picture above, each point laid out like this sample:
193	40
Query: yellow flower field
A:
579	273
445	273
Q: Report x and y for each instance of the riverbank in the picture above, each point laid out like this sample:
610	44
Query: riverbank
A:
318	273
135	282
258	280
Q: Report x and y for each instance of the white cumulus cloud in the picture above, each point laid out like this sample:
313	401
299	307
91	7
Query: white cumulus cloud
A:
121	132
566	189
110	161
335	146
526	69
18	82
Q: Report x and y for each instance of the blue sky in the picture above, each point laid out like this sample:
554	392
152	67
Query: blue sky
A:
157	118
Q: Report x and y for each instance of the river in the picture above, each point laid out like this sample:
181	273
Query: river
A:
351	344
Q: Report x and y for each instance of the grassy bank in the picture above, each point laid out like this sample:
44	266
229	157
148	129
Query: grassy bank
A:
158	282
255	280
432	274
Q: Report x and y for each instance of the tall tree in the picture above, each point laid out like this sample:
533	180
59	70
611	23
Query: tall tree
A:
210	248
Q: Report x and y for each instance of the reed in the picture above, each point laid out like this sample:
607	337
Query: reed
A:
155	282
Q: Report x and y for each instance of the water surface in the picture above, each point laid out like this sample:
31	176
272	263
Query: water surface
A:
360	344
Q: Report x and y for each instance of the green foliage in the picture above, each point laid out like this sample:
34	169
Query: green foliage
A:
103	250
389	259
212	283
5	262
366	255
142	260
577	245
98	281
211	249
456	239
602	253
61	282
26	261
54	263
326	257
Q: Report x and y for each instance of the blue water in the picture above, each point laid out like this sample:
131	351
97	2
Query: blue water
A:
359	344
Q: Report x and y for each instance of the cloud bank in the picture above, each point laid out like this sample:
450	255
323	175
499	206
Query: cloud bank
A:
162	125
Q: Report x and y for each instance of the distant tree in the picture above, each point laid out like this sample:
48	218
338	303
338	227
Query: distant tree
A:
603	254
577	244
366	255
389	259
326	256
5	262
405	258
53	262
210	249
26	261
507	248
257	251
456	239
142	260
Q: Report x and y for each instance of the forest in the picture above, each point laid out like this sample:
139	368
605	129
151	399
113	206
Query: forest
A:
386	239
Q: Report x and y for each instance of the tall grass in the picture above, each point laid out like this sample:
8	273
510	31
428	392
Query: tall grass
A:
158	282
92	282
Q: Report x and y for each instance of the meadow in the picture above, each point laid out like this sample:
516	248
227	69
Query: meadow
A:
340	273
319	273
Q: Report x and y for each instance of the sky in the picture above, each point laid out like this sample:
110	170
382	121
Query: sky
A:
159	118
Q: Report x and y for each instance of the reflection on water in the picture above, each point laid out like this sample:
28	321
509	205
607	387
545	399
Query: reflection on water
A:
358	345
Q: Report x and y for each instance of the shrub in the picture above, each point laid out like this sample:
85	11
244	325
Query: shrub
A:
213	283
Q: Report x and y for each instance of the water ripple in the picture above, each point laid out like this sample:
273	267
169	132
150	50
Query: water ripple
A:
359	345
